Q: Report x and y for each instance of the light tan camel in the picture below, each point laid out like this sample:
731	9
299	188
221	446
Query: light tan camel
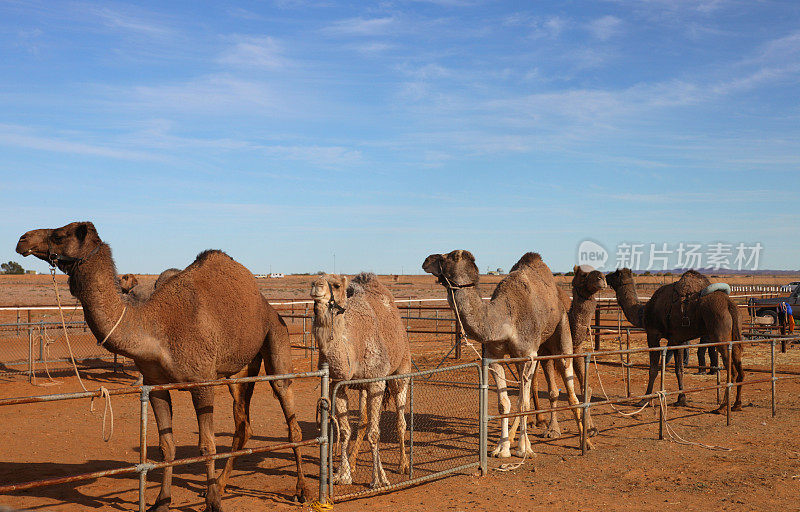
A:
207	322
586	284
525	312
360	334
137	292
679	313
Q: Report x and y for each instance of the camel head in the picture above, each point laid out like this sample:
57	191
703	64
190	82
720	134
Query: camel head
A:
619	277
127	282
588	281
66	247
330	289
454	269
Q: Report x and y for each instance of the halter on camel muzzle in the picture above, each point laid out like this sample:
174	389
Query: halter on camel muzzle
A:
335	307
446	282
67	263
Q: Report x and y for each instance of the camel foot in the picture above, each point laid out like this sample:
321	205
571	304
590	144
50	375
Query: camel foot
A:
592	431
302	494
553	432
342	479
403	469
379	482
213	502
681	401
160	506
589	445
736	407
719	410
526	452
503	451
541	421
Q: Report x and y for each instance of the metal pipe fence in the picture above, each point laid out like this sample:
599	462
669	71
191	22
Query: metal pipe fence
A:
143	467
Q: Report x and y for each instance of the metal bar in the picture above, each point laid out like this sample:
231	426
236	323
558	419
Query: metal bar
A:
411	429
772	380
143	399
483	413
628	363
597	334
324	402
30	355
661	409
585	423
728	386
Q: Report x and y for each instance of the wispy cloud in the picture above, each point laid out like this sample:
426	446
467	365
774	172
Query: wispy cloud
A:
22	137
117	19
606	27
254	52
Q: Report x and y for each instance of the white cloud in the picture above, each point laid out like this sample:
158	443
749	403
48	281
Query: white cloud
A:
606	27
116	19
362	26
262	52
21	137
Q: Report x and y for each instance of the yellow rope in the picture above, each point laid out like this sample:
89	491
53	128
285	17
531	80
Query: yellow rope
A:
316	506
103	391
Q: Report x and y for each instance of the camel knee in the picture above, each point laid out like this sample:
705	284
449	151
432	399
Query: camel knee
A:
167	447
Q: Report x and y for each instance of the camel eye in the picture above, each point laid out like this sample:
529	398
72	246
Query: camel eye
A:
336	286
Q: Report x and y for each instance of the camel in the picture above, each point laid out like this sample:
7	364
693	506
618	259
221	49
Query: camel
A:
586	284
207	322
141	292
680	312
524	314
360	335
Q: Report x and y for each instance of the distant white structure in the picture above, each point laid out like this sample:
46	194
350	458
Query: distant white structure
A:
275	275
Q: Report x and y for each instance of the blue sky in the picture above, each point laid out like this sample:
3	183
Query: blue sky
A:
289	131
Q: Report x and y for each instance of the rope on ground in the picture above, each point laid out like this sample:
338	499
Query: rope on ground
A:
627	414
674	437
316	506
103	391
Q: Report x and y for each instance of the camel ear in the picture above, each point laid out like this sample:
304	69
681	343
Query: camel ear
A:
84	229
432	264
345	281
468	255
576	269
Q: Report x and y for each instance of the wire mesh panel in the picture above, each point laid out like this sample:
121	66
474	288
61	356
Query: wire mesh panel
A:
441	435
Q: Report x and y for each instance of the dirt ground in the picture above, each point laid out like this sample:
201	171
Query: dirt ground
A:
628	469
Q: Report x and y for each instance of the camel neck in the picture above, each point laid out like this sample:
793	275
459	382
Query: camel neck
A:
473	312
581	313
629	302
325	326
94	284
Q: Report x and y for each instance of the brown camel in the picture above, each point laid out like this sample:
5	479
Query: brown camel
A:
360	335
586	284
141	292
524	314
680	312
207	322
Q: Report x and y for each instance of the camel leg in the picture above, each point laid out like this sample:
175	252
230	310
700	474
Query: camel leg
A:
399	390
526	371
278	361
567	374
161	403
504	407
203	400
362	425
541	419
681	401
553	429
736	355
241	394
374	399
725	362
653	341
343	476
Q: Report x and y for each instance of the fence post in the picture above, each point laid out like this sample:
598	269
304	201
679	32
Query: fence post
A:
585	432
772	367
483	412
323	433
729	348
30	354
410	429
457	339
597	330
144	398
628	363
662	396
41	340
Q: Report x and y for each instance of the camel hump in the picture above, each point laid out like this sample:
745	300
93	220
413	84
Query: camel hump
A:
363	282
529	259
691	282
716	287
209	254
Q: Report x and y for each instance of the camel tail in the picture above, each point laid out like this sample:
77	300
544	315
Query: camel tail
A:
736	333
